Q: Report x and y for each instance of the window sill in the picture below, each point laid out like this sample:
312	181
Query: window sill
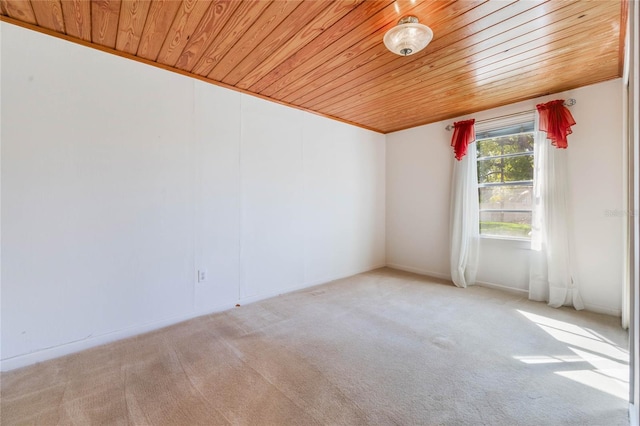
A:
516	243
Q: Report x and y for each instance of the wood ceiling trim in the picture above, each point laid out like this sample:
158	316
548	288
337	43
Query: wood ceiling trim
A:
328	56
125	55
77	18
441	63
104	22
160	18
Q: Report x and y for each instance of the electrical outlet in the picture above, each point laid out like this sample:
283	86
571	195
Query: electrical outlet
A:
202	275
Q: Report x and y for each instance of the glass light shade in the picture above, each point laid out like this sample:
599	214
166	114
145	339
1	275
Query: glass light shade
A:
408	37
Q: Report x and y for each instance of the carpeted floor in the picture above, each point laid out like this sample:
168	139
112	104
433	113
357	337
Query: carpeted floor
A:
380	348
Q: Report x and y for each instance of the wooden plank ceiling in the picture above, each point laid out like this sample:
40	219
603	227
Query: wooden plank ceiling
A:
328	56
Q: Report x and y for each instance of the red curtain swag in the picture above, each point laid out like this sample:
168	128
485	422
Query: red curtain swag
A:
463	134
556	120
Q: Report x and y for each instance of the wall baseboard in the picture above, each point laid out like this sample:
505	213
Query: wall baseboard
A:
419	271
448	278
46	354
252	299
633	415
501	287
602	310
588	306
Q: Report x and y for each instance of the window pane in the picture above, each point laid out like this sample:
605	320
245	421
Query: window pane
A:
505	145
508	169
506	197
524	127
506	224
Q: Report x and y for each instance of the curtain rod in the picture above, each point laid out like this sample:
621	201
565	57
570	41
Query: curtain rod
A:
568	102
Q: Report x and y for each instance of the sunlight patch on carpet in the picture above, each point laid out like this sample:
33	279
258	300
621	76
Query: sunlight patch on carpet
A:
606	364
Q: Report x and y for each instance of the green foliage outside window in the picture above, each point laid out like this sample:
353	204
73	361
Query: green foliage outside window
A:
517	166
505	169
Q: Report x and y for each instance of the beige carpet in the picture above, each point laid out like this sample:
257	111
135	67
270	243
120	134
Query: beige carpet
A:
380	348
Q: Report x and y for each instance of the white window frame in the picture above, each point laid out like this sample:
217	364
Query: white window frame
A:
486	127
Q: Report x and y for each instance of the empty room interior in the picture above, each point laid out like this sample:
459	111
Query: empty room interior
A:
287	212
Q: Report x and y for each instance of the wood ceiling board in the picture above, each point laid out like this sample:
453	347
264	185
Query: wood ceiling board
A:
49	14
133	15
334	67
452	48
328	57
20	10
468	79
467	89
318	44
267	22
442	59
184	24
509	98
300	20
488	89
489	96
351	60
315	28
104	22
358	72
466	104
208	28
624	15
245	16
159	19
77	18
456	58
350	39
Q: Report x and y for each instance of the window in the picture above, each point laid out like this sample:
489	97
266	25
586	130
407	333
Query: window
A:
505	180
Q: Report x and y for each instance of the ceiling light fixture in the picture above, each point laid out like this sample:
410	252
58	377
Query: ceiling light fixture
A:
408	37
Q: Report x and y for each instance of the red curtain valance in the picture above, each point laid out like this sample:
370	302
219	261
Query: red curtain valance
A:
556	120
463	134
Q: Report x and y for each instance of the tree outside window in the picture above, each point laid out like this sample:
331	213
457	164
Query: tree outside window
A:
505	181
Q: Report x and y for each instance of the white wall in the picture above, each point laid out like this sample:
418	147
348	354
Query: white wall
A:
419	166
120	181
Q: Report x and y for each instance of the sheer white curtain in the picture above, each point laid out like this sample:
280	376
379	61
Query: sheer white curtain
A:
551	277
464	220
